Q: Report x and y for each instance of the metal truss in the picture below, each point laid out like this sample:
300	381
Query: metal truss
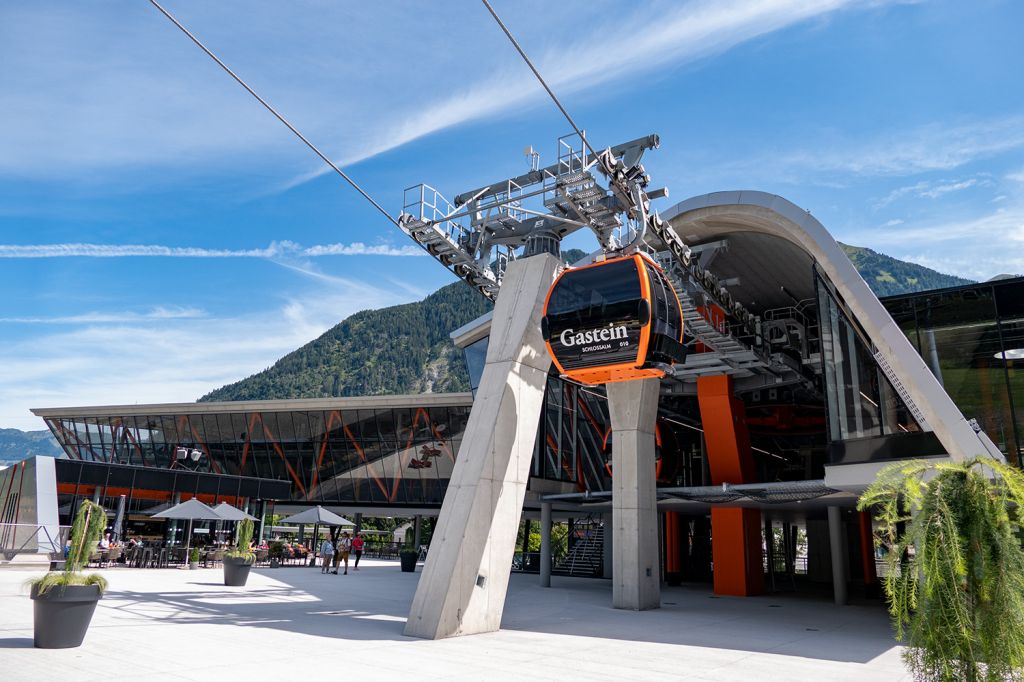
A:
482	230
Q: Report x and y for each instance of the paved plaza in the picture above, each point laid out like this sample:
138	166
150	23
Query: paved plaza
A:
291	623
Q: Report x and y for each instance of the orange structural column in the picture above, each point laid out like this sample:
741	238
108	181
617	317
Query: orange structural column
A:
735	531
736	551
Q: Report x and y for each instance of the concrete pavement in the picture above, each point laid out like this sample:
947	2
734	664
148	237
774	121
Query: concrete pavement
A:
288	623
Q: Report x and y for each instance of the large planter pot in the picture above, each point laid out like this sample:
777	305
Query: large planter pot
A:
275	563
193	565
408	560
62	615
236	571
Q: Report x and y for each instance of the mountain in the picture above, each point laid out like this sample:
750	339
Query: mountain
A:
16	445
887	276
401	349
406	348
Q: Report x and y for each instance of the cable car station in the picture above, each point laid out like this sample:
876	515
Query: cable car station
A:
732	320
713	374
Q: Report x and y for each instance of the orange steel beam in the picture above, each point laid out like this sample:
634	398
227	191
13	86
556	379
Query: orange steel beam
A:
735	531
736	548
723	417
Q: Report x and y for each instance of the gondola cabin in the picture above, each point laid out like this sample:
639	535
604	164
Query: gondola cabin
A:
615	320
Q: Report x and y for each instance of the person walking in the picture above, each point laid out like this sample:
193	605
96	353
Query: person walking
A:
341	552
357	549
327	555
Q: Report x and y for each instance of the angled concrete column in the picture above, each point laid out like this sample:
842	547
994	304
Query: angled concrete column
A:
635	572
462	588
545	544
836	544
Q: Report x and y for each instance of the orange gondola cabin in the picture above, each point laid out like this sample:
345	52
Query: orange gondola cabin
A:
615	320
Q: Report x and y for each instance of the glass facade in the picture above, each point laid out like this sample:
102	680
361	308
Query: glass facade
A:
972	338
862	403
393	456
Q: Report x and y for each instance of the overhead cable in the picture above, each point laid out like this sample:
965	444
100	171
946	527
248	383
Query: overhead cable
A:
540	78
279	117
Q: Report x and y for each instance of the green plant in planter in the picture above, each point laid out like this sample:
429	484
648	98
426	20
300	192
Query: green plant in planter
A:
85	535
243	541
276	550
193	555
955	579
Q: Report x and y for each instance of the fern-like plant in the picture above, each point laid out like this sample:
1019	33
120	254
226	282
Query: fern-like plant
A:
955	579
243	541
85	535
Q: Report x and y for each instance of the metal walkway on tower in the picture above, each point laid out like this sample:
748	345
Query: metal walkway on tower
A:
478	233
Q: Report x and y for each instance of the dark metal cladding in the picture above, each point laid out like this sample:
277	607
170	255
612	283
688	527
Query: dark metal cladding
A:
593	316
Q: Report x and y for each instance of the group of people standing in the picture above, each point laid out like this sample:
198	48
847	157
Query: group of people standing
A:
333	555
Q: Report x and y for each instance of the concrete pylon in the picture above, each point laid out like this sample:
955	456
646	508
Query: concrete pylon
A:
636	580
462	588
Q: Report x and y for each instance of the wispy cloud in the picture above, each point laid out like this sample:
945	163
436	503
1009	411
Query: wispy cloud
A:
659	36
978	246
275	250
103	360
933	147
927	189
158	314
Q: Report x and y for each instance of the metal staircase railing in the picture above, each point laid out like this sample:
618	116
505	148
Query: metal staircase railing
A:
586	558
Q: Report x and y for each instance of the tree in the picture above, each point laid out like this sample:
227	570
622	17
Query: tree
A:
955	579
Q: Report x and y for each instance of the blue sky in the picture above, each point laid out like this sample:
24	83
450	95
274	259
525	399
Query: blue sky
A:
900	125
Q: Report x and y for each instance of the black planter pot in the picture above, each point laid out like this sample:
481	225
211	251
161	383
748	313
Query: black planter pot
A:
236	571
408	560
62	615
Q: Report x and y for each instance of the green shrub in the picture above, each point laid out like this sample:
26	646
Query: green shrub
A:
85	535
955	580
243	541
193	555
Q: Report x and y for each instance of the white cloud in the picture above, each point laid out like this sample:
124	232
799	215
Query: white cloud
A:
1016	176
934	147
132	360
157	314
938	190
894	222
926	189
648	39
977	247
275	250
144	97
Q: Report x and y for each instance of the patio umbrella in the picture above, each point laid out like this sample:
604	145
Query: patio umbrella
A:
317	515
118	520
191	510
229	513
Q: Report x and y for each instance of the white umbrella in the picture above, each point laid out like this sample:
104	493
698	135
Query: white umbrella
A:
319	515
190	510
229	513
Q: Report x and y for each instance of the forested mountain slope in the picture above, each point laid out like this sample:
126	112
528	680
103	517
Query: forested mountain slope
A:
406	348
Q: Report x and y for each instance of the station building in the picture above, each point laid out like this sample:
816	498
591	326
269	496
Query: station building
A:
761	437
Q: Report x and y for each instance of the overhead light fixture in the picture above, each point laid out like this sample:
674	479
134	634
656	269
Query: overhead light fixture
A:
180	453
1012	354
196	454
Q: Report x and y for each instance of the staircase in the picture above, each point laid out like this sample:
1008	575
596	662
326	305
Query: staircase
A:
586	558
